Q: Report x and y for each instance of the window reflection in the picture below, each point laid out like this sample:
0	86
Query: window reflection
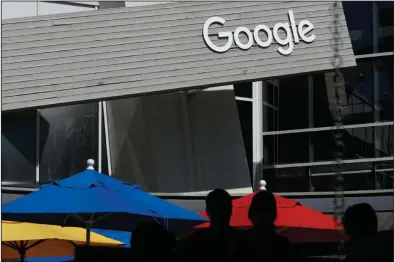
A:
285	149
286	106
359	83
245	118
358	18
322	178
369	20
18	147
293	179
71	139
359	143
385	11
243	90
384	67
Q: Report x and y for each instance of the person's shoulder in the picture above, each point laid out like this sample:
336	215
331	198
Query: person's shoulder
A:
194	241
246	232
235	231
245	237
284	240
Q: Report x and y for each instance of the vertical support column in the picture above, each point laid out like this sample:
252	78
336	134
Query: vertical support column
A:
106	134
376	97
392	132
38	147
192	172
100	136
310	115
310	125
257	119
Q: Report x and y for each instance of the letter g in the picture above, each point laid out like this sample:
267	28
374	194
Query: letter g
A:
228	35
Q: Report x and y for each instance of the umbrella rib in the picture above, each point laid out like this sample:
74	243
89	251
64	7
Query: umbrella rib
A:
11	245
35	244
282	229
101	218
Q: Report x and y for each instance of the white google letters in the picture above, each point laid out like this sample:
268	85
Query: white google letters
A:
293	35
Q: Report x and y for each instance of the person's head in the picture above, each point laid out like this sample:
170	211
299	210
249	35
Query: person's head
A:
262	211
360	220
219	207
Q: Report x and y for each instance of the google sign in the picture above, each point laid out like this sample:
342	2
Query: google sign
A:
294	33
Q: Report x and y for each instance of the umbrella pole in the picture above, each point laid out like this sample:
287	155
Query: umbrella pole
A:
23	256
88	229
22	251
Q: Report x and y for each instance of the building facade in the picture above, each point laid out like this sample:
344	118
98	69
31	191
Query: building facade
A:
154	102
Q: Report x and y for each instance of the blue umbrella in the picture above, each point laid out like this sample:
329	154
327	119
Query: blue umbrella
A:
175	218
81	207
91	199
122	236
51	259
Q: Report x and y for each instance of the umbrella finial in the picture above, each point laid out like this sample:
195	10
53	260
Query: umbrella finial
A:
263	183
90	164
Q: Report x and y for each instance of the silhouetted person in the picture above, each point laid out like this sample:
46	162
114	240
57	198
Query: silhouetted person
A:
151	239
220	239
366	244
262	240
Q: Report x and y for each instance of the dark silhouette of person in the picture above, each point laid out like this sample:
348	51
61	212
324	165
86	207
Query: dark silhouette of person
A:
366	244
220	239
152	239
262	240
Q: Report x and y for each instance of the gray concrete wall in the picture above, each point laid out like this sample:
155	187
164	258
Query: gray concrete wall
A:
117	52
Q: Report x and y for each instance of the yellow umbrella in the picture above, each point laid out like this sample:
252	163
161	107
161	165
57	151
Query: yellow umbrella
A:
21	240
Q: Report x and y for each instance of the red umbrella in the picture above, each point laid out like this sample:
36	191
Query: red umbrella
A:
300	224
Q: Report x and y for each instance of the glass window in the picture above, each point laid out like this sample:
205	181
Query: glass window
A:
384	67
370	26
270	118
68	139
290	103
293	179
271	93
359	176
357	96
385	27
359	83
356	181
358	144
18	147
245	118
243	90
286	149
295	106
384	141
322	115
359	22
